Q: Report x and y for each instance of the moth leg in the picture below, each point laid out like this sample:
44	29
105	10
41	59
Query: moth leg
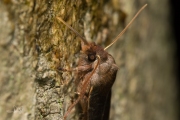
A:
91	89
78	93
77	69
66	70
87	81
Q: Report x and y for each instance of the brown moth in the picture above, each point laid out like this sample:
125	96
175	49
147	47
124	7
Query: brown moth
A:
96	73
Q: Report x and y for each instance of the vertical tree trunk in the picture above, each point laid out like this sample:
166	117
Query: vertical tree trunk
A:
145	88
34	44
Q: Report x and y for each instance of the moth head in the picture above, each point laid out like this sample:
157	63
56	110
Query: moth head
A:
92	50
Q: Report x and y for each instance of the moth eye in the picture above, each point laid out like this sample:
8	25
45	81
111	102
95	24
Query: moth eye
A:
91	57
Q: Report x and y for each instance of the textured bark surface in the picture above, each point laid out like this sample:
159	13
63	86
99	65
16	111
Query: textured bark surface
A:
33	44
145	88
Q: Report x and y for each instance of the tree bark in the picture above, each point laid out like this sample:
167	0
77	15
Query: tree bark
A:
33	44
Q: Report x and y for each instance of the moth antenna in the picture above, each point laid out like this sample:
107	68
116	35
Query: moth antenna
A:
120	34
82	38
87	81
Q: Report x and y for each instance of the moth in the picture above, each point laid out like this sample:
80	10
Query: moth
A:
97	72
